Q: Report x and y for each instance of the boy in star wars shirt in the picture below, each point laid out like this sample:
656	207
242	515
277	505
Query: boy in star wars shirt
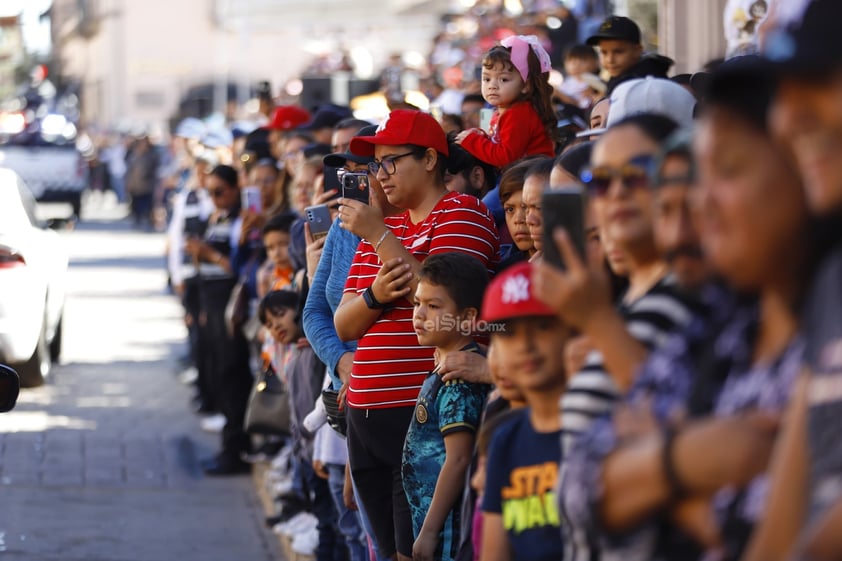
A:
519	506
440	440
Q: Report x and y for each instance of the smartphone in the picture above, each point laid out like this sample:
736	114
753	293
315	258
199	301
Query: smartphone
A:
251	199
485	115
331	176
355	186
318	217
564	207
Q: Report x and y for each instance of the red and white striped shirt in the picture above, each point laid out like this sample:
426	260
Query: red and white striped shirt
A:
389	364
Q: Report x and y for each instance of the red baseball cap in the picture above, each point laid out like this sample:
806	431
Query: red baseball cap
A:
510	296
288	117
403	126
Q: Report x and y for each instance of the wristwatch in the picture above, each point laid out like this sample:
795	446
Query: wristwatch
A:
371	301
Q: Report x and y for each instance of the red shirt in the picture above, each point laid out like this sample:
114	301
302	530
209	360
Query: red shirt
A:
389	364
516	133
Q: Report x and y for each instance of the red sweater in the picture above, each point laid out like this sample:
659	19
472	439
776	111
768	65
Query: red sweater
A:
389	364
517	133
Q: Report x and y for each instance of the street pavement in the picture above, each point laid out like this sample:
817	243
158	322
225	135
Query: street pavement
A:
101	464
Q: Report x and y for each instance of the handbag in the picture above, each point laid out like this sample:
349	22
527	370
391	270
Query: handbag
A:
237	308
268	408
335	415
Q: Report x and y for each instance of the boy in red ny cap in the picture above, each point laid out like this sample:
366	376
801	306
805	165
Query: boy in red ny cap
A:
520	516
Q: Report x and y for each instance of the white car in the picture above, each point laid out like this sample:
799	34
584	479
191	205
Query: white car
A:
33	273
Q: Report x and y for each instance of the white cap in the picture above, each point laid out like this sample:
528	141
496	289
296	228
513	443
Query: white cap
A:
651	95
217	138
191	127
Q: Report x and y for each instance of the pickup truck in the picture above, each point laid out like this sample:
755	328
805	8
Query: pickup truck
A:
45	154
52	166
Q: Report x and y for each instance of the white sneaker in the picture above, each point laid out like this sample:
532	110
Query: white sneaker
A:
300	523
282	460
213	423
306	543
282	488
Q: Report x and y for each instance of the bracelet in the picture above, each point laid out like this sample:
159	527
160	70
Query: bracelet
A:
370	301
676	487
380	241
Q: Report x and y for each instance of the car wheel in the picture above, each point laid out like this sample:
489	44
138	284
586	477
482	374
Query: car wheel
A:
55	344
34	371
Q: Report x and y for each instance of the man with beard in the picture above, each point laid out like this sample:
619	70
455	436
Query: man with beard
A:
675	236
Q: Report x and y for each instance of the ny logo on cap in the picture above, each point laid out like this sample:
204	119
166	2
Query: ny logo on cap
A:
515	289
382	125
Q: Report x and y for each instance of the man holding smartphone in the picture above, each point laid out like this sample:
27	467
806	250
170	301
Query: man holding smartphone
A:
327	281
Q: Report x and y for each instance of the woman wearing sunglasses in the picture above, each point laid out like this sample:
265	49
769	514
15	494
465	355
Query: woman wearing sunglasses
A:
226	357
622	333
410	152
688	483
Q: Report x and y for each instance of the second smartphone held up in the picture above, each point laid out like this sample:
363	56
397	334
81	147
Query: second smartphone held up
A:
318	217
564	208
355	186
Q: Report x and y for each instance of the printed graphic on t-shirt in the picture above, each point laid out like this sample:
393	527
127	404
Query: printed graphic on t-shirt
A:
530	499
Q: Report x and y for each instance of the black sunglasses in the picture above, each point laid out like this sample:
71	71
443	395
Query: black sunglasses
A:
633	175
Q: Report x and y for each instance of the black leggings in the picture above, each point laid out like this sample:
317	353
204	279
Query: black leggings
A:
226	361
375	451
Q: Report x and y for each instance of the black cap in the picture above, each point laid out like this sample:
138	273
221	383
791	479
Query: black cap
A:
326	117
616	27
338	159
315	149
257	144
806	43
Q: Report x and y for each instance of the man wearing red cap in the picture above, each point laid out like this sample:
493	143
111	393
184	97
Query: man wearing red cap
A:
519	506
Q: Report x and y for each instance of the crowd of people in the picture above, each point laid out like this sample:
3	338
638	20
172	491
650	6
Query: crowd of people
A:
470	377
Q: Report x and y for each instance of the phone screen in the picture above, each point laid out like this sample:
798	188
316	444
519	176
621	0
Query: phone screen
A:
564	208
485	115
251	199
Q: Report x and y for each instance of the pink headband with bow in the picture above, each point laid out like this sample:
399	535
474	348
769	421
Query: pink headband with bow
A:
520	45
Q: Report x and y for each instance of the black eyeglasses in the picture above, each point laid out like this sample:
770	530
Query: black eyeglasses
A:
218	192
388	164
633	175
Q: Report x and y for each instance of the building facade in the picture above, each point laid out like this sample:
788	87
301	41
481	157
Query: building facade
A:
11	54
136	60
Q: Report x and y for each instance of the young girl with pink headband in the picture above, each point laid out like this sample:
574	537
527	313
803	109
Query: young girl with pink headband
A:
515	80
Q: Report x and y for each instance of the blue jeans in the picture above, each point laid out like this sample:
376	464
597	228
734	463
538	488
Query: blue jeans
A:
348	521
311	487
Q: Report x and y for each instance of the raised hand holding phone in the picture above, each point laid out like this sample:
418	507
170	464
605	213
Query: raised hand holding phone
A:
565	208
570	279
355	185
318	220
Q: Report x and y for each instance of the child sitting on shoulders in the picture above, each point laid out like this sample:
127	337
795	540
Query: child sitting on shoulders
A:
515	80
440	440
581	86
